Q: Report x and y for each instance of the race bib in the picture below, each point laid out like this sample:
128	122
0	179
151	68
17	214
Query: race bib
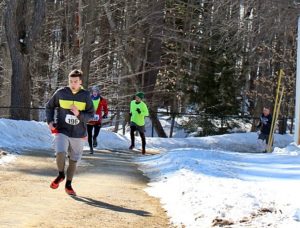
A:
95	118
71	119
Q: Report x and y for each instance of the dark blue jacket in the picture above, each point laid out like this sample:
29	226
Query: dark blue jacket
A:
61	101
265	124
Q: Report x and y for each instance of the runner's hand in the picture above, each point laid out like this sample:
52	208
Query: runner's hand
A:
75	110
51	126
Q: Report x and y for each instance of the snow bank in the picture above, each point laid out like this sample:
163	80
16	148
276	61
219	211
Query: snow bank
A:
19	134
200	187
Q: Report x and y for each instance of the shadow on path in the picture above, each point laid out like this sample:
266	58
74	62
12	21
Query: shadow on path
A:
100	204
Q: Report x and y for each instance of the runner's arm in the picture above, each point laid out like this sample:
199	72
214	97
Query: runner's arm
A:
144	110
89	111
105	107
50	107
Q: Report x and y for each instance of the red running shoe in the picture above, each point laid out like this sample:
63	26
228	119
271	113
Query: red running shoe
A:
56	182
70	191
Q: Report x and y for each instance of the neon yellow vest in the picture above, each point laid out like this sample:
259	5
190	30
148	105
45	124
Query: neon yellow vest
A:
96	103
138	118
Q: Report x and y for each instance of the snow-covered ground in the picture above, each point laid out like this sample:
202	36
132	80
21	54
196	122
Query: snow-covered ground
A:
201	181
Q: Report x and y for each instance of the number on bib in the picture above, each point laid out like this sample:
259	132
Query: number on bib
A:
72	120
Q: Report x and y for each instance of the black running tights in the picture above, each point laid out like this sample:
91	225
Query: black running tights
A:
92	137
142	134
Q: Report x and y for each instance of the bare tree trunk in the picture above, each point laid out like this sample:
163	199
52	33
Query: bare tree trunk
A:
156	123
154	49
5	72
174	109
117	123
21	34
172	125
89	17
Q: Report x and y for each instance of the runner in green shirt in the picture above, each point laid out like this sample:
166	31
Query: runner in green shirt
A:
138	112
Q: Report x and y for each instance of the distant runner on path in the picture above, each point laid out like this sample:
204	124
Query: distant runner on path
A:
138	112
264	127
74	109
101	112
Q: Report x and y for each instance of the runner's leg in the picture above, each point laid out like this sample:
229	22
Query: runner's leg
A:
142	134
96	133
90	135
132	130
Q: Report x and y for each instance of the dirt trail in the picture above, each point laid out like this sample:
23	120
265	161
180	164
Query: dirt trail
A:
109	187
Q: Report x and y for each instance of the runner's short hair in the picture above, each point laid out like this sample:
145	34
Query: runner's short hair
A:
75	73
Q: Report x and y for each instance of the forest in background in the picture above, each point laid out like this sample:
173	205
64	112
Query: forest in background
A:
218	57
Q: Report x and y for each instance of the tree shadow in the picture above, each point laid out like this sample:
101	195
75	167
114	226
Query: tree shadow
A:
100	204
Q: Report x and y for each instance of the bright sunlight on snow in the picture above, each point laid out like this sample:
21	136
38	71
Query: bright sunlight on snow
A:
201	182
